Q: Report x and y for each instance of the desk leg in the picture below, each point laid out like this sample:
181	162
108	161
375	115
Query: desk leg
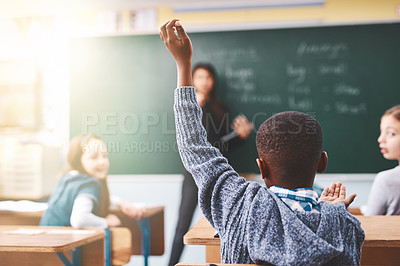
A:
107	247
75	257
213	254
144	224
63	259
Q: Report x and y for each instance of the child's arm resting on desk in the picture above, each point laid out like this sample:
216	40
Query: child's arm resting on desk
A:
127	208
82	216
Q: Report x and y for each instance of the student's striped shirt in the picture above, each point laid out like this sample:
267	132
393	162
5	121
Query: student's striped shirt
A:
299	199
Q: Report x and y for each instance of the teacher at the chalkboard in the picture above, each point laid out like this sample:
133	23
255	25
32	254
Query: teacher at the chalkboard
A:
216	122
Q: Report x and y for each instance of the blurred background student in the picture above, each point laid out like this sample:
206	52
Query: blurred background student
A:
81	198
384	198
216	122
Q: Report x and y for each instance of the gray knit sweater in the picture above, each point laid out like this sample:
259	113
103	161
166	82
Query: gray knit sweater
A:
254	225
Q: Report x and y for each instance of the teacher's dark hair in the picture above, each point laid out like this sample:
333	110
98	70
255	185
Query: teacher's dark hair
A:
216	106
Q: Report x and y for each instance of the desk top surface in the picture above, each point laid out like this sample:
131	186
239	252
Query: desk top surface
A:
380	231
45	239
202	233
150	211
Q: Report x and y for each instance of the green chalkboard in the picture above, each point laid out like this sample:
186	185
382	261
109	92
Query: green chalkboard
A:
345	76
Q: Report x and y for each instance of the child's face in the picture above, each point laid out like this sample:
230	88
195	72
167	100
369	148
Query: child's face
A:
203	81
95	159
389	139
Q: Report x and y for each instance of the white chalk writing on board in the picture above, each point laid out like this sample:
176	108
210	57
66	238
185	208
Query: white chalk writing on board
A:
326	50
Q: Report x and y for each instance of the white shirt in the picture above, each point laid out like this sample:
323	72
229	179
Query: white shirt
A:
82	216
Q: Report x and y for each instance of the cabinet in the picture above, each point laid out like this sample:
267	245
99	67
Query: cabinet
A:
28	170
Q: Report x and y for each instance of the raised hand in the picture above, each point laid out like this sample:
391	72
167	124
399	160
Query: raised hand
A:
179	45
242	126
336	193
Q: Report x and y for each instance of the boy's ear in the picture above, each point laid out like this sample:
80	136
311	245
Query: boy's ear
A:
323	162
263	168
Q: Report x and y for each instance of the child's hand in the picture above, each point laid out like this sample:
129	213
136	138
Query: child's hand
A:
180	47
242	126
132	211
113	220
337	194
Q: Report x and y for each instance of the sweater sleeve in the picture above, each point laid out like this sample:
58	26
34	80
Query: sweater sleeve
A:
221	190
82	216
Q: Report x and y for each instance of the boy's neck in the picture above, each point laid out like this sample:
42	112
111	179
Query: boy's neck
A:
292	187
289	185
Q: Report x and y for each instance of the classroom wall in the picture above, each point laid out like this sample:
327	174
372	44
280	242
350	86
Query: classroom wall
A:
279	14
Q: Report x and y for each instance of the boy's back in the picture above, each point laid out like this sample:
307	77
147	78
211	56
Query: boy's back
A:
253	223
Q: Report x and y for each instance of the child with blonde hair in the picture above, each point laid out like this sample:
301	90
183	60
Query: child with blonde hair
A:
384	198
81	198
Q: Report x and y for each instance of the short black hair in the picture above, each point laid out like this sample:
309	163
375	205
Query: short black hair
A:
291	143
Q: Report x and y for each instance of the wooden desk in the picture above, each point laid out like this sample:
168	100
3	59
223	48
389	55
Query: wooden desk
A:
202	233
147	233
44	248
381	246
20	218
382	240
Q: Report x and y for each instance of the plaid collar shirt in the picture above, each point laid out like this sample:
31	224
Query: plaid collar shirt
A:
299	199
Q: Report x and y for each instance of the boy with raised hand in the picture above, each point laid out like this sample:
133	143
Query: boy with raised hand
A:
283	224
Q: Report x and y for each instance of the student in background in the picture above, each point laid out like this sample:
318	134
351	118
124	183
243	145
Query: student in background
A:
384	198
283	223
81	198
216	121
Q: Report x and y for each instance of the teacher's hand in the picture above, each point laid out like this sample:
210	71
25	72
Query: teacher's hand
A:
242	126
